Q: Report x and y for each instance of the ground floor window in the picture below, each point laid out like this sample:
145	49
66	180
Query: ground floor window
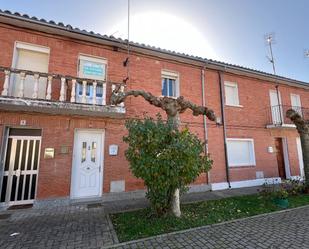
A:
240	152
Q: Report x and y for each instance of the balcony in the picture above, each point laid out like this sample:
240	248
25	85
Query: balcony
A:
277	116
56	94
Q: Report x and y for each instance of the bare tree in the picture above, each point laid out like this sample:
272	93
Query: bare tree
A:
173	107
302	127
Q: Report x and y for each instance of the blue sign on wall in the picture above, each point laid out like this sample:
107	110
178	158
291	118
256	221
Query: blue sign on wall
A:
91	68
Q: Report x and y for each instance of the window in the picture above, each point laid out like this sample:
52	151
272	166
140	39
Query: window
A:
93	151
276	107
170	84
91	68
89	90
33	58
295	103
84	151
231	93
240	152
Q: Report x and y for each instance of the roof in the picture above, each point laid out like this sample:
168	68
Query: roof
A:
207	62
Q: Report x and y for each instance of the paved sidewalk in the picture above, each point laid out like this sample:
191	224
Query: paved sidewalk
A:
77	226
63	227
289	229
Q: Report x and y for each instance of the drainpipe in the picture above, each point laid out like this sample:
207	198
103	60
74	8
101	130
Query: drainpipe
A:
221	83
204	118
5	135
279	104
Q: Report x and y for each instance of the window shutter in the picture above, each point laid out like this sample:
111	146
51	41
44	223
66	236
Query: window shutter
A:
240	152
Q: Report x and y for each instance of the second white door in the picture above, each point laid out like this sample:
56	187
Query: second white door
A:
87	164
276	110
300	157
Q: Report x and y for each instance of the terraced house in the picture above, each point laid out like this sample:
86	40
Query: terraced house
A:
61	139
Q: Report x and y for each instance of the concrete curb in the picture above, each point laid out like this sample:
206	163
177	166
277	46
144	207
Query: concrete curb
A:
203	227
112	229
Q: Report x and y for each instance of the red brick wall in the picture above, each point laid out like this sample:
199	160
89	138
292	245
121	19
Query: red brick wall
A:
242	122
249	121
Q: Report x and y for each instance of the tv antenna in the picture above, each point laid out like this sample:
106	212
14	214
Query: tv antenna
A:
269	38
306	53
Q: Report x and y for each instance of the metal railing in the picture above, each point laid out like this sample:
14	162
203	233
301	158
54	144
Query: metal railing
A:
277	114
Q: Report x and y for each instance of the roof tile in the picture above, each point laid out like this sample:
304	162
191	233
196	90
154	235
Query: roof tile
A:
98	35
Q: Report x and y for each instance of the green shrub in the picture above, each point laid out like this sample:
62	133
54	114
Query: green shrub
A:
284	189
165	158
294	187
280	193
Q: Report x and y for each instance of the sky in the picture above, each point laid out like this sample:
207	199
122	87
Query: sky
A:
230	31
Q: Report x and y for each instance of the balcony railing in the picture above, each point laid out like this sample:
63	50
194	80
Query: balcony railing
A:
36	87
277	115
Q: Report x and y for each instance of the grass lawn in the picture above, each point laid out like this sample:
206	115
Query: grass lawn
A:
140	224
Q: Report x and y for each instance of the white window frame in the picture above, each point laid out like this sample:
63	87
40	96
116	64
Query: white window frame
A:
81	75
174	76
276	114
234	85
253	161
94	59
26	46
300	106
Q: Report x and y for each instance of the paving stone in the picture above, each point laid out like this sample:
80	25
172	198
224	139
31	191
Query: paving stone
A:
284	230
79	227
66	227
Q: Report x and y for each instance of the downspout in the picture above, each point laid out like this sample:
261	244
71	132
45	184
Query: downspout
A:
204	118
279	104
5	135
221	83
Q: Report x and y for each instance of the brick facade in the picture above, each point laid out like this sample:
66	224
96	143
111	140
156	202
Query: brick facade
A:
248	121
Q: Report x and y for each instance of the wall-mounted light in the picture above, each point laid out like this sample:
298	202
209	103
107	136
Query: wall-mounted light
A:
218	121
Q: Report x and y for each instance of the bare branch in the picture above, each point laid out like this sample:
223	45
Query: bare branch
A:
197	110
170	105
301	124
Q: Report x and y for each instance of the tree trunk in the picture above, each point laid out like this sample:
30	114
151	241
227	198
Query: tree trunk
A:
175	205
304	138
302	127
172	107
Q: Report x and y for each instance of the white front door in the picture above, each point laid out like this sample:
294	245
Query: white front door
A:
300	157
276	110
87	164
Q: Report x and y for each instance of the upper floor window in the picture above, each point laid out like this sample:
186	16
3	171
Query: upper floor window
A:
93	68
231	93
170	84
34	58
295	103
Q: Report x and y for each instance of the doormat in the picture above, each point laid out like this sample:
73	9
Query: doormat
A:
4	216
25	206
